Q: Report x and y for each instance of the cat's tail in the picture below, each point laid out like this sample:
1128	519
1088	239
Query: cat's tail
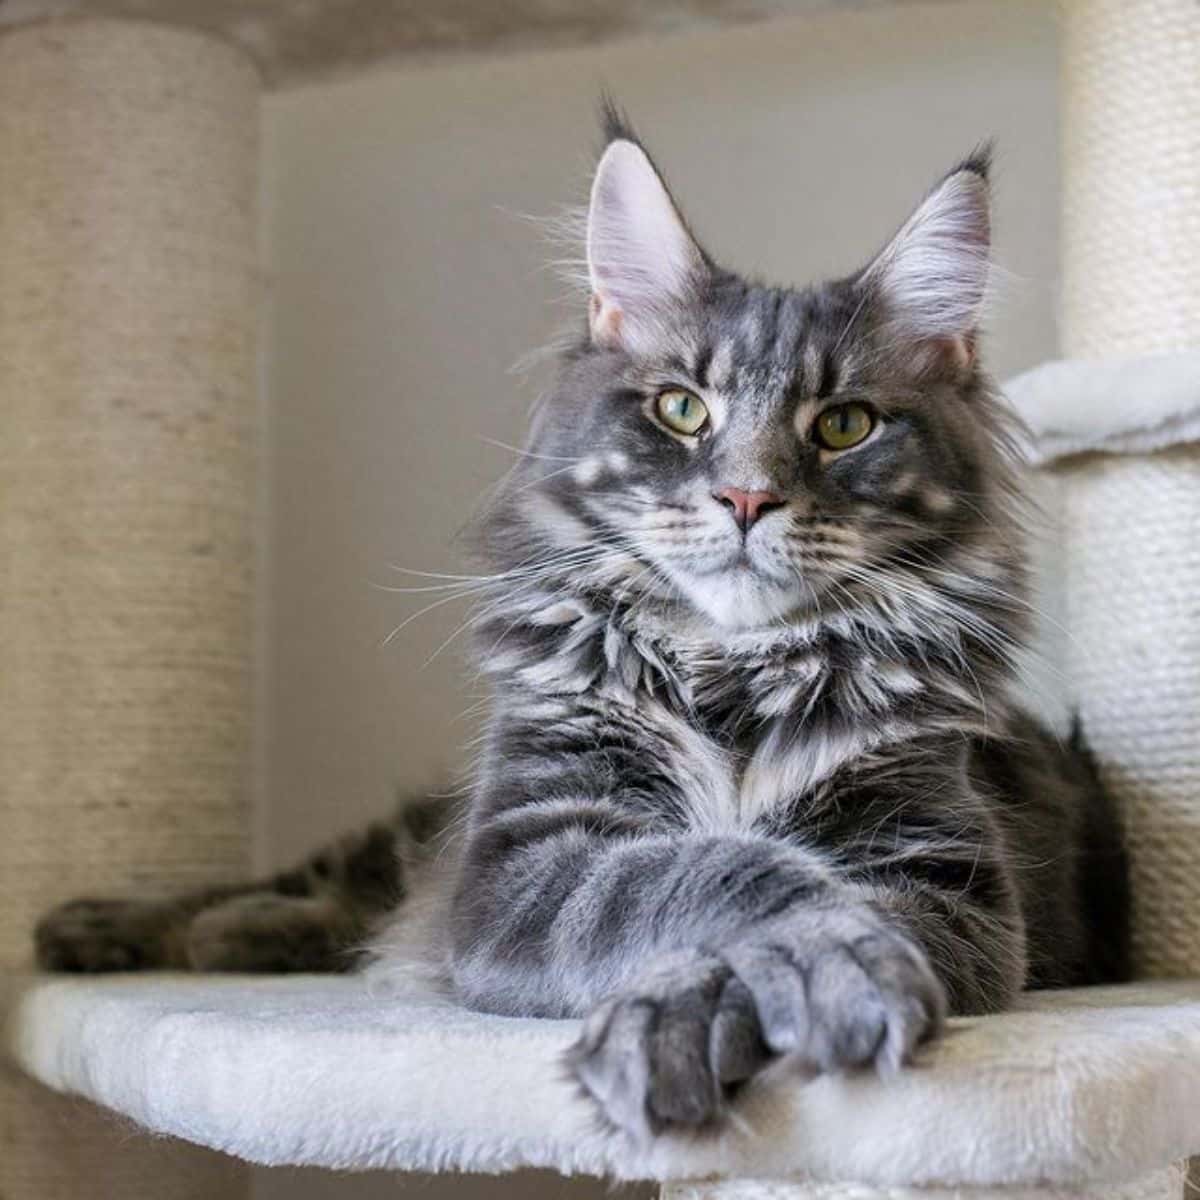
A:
1105	890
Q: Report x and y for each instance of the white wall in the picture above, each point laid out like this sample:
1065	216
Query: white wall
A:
406	281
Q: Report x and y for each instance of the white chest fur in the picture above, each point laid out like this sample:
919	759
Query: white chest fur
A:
724	792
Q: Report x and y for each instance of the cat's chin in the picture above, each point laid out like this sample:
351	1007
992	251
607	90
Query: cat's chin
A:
742	600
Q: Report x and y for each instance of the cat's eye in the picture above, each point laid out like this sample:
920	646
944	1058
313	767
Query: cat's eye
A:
682	411
843	426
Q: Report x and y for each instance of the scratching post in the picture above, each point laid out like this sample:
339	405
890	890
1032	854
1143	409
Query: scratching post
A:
128	156
1131	177
1131	286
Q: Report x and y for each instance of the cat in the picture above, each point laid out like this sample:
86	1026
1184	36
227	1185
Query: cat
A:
754	785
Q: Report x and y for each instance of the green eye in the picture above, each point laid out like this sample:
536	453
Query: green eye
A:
843	426
681	411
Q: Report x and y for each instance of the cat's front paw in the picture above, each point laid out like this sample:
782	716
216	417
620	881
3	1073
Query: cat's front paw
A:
101	935
664	1055
831	994
841	990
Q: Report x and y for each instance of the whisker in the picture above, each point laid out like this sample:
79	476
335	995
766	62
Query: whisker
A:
529	453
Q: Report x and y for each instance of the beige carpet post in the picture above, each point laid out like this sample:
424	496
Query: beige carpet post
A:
1131	286
128	308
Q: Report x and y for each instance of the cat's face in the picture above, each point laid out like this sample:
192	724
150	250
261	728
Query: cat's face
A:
760	452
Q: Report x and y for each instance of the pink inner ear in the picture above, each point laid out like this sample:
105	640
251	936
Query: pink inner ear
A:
605	320
961	350
953	353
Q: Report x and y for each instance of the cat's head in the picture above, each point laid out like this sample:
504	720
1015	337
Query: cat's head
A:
756	452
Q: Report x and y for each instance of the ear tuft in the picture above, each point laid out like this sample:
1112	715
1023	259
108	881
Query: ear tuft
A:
614	123
933	275
642	261
978	162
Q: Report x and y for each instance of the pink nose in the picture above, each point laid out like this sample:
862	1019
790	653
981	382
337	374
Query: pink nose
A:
747	507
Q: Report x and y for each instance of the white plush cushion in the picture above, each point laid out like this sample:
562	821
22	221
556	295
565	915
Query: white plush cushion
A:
1114	406
1077	1086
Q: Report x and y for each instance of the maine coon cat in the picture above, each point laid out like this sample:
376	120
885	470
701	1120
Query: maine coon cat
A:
754	783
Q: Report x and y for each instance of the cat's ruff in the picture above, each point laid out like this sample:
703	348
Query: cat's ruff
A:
1074	1087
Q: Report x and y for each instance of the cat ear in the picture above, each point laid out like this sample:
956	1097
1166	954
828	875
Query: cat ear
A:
932	276
642	261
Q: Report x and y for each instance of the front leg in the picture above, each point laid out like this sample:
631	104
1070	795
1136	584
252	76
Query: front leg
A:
711	955
707	955
700	959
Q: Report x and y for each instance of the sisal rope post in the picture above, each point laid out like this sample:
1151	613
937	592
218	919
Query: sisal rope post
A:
1131	286
128	309
1131	177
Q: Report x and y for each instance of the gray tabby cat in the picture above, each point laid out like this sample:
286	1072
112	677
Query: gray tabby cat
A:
753	785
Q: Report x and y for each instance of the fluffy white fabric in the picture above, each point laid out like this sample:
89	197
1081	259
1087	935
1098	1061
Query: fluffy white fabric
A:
1077	1086
1119	405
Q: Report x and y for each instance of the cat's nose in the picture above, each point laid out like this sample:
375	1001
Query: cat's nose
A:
747	507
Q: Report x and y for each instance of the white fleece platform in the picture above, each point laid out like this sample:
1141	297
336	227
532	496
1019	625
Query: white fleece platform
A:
1075	1087
1112	406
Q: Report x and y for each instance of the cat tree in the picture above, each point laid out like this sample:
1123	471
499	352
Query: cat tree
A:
127	297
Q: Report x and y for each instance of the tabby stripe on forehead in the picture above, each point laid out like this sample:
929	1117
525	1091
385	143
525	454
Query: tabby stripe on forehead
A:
677	364
827	381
